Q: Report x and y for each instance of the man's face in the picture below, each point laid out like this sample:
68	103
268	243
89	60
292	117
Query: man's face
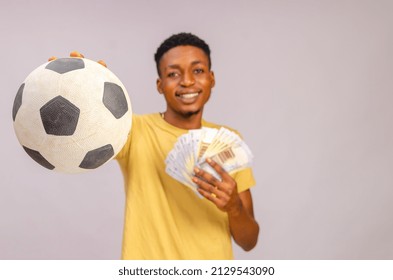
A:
185	80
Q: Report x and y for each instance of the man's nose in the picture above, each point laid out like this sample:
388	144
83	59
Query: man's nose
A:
187	80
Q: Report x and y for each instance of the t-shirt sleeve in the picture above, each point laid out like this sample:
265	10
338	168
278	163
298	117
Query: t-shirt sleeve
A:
244	179
126	148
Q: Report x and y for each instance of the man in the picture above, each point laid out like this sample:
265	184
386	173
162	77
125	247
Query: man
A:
163	218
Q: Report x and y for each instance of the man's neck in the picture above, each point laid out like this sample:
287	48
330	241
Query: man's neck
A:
193	121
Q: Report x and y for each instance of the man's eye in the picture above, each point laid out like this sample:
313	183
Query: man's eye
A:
172	74
198	71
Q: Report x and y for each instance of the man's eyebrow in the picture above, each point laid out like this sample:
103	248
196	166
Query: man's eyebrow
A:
177	66
196	62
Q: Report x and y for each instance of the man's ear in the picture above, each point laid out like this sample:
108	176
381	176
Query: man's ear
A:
213	80
158	84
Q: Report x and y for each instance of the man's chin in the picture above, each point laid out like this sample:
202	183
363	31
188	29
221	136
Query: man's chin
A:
190	114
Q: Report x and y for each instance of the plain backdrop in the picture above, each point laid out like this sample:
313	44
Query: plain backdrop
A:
308	84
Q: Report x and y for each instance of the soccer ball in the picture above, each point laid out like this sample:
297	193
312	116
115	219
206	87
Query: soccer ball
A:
72	115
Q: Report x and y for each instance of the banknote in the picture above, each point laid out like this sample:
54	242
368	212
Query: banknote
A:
193	148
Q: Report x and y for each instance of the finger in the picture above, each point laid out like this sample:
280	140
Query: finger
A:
206	176
210	196
52	58
221	171
76	54
208	188
102	63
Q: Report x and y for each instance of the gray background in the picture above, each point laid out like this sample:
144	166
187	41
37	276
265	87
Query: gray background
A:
308	83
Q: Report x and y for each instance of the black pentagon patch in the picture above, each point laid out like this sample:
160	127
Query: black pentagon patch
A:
64	65
17	101
97	157
38	158
59	116
115	100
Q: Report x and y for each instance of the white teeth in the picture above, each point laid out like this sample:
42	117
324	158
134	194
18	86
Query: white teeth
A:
189	95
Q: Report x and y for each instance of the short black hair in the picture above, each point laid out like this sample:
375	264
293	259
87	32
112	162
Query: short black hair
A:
181	39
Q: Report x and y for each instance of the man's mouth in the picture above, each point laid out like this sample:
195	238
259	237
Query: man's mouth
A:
188	96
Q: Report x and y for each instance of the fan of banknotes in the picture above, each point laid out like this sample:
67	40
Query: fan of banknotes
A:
193	148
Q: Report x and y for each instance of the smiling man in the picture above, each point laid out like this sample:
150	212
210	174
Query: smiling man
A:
186	82
163	218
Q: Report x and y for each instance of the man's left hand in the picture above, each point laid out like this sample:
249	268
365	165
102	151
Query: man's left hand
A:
222	193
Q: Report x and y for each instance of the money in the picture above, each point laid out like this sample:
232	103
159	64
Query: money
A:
193	148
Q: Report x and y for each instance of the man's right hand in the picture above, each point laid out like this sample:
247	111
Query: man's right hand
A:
78	54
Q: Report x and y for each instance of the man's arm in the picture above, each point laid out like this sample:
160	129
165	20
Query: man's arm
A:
238	206
243	226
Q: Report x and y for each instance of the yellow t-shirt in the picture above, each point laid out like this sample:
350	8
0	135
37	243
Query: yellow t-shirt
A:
163	218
